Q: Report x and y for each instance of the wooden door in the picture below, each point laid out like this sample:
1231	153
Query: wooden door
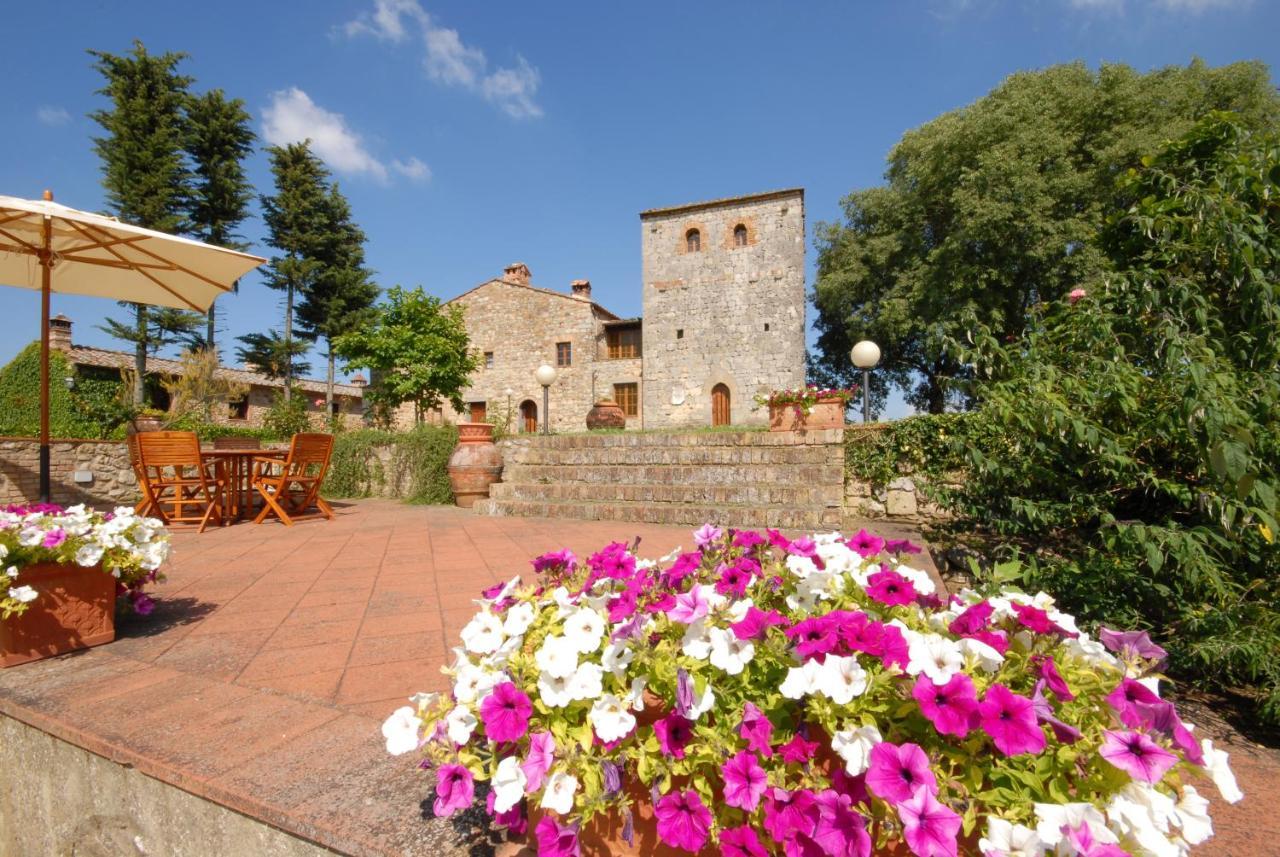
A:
478	412
528	416
719	405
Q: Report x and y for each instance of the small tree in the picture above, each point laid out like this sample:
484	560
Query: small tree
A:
416	350
198	389
271	355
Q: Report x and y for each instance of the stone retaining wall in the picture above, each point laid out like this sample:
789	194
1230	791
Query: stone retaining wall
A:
102	466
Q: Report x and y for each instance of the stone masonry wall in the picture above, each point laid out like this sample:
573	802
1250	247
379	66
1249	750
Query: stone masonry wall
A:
706	312
111	482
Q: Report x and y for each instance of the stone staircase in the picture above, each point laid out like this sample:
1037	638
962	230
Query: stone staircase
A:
790	480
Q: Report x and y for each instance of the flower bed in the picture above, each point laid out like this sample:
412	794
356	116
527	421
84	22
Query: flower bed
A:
811	696
129	547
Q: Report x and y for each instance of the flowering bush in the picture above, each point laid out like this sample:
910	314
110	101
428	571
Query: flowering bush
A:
130	547
804	398
818	696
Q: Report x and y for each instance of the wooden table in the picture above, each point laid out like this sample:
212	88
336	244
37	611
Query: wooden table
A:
237	465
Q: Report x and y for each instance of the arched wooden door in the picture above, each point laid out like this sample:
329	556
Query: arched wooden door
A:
719	405
529	416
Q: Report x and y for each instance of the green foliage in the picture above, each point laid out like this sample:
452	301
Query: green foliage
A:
91	409
287	416
418	464
416	350
1144	417
933	446
269	354
995	207
199	389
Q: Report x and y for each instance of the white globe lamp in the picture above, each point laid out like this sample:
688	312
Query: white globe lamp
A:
865	355
546	376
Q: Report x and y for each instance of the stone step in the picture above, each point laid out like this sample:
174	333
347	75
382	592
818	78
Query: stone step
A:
736	439
679	455
692	514
737	493
667	474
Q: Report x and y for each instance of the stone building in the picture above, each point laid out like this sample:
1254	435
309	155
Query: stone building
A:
723	295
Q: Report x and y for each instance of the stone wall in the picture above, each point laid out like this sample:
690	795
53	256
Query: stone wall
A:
901	499
725	313
103	464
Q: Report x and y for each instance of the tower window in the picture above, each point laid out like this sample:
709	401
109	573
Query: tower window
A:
766	327
564	354
693	240
740	235
628	398
680	333
488	360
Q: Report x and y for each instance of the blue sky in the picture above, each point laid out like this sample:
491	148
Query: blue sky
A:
470	135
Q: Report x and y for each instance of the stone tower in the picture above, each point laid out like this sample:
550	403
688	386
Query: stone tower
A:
724	304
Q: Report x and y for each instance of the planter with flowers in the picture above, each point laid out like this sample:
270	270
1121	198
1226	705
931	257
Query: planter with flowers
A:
806	409
762	695
64	573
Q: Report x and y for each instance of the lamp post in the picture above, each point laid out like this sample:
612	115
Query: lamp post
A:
865	355
546	375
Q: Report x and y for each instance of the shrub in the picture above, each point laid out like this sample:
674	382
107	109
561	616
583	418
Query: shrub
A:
91	408
287	416
930	445
417	466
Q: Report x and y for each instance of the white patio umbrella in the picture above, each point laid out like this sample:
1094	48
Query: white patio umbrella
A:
47	246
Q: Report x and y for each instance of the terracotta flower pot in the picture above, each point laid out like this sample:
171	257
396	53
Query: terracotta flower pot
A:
825	414
606	414
75	609
146	422
475	464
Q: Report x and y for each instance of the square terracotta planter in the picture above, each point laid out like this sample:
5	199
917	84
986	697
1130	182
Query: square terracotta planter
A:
75	609
825	414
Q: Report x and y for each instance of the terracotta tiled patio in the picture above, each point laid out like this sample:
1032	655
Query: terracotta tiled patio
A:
274	653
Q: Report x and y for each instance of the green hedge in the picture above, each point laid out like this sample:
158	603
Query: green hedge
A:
930	445
89	409
417	467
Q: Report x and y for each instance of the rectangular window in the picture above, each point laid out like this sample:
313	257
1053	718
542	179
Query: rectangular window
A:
239	409
488	360
478	412
564	354
628	398
623	342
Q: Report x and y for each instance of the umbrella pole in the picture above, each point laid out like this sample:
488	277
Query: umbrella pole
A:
46	263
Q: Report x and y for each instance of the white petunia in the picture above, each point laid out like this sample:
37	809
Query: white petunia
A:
30	537
854	747
801	566
401	731
89	554
508	784
841	679
518	619
935	656
584	629
557	656
460	723
472	684
554	690
696	642
1192	815
12	571
920	580
738	610
1052	817
424	701
611	719
987	657
702	703
1215	762
617	658
1009	840
1141	813
728	652
565	603
4	551
585	683
26	594
802	680
483	634
499	658
559	792
635	697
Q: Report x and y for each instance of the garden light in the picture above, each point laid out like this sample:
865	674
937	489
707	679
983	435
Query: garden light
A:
546	376
865	355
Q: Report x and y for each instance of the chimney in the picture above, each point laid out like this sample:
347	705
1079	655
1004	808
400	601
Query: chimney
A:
60	333
516	272
358	380
581	289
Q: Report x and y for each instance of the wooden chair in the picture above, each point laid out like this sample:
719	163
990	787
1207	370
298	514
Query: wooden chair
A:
290	485
147	505
237	443
177	475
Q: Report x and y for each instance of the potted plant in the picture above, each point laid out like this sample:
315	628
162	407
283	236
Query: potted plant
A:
811	696
808	408
149	419
65	571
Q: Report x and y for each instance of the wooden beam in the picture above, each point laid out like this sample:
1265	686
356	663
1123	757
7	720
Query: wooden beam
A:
177	267
84	231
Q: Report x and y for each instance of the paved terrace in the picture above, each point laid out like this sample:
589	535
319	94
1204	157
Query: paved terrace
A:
261	679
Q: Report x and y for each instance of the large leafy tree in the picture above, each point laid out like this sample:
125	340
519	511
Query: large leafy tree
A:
298	217
218	139
417	351
342	295
992	208
1143	412
145	176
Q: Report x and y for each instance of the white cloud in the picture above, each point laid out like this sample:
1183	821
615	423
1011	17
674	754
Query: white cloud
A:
292	117
50	115
450	61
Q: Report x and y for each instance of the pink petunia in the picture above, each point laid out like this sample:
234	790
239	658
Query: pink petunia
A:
841	831
1163	718
506	713
741	842
744	781
1011	722
690	607
514	819
797	751
683	820
952	707
685	565
1125	698
1064	732
973	619
674	734
1075	295
815	636
556	839
756	730
789	813
902	546
1081	839
55	537
1052	678
896	771
455	790
1034	619
1132	645
747	539
623	606
733	581
542	753
890	588
865	544
706	535
1137	755
929	827
754	625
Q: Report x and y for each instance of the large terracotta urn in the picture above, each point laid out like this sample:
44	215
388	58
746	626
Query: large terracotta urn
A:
75	608
606	414
476	463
